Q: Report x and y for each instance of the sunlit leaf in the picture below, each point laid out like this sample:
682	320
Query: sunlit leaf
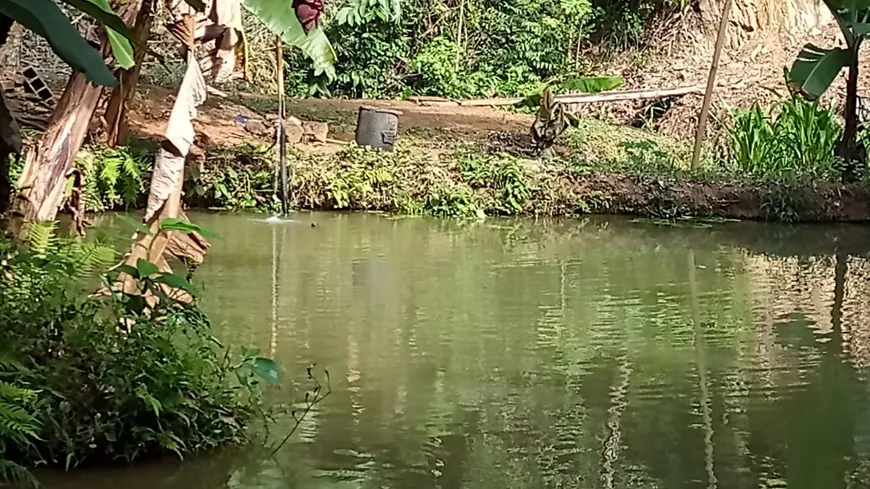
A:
118	32
186	227
45	19
280	18
146	268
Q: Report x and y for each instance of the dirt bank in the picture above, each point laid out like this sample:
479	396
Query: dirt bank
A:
651	197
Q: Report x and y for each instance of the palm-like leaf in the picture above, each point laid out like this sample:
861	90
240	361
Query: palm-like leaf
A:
280	17
816	68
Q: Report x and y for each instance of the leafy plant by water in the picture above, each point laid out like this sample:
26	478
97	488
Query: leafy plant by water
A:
800	140
98	378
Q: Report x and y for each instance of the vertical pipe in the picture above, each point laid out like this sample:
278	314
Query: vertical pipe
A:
711	83
282	139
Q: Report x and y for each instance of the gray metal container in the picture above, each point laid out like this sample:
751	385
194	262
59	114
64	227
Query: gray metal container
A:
377	128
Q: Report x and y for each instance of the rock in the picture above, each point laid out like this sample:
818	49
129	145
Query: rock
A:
315	132
292	121
271	117
257	127
294	133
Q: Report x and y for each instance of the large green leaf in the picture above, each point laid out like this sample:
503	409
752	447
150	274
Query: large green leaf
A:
280	17
196	4
581	84
592	84
45	19
266	368
816	68
853	17
176	282
118	32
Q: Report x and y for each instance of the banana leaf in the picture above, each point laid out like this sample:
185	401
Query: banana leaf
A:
45	19
816	68
280	17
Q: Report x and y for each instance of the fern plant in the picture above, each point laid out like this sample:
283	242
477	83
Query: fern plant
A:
113	178
18	423
78	258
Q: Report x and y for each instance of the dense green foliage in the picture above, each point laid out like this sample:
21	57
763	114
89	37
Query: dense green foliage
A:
464	48
799	140
87	378
409	183
234	178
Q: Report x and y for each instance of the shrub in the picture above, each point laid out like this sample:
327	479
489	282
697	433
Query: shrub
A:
234	178
96	378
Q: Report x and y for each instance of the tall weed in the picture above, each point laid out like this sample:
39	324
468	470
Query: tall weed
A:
798	141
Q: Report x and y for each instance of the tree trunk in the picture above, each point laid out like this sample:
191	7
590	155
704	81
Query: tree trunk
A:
10	134
48	165
850	148
122	95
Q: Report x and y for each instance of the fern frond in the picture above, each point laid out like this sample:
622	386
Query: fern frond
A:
16	475
12	393
17	423
41	237
109	172
130	183
93	258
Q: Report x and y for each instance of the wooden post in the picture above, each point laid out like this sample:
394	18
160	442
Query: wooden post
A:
711	83
282	138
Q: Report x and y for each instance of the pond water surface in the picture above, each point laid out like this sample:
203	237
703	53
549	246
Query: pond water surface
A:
595	353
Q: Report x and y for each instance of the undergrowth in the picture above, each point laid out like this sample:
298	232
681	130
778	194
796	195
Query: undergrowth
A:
465	183
100	378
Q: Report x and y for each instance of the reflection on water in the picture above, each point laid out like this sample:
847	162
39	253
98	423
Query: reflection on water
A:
544	354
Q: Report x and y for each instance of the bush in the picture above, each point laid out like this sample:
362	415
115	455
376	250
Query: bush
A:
234	178
799	141
462	48
87	379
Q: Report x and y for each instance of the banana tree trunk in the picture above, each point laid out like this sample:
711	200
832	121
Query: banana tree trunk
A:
850	148
221	23
49	164
122	95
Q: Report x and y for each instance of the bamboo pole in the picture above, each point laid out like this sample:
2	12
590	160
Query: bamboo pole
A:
282	139
711	83
575	98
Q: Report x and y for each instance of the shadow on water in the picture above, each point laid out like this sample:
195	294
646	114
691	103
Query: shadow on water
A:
597	352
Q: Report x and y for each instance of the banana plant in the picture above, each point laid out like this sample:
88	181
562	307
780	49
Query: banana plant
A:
816	68
45	19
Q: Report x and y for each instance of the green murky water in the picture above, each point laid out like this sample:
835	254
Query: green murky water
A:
598	353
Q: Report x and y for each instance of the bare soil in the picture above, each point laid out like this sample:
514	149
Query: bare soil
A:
500	130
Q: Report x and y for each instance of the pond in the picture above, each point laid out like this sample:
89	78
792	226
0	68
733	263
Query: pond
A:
594	353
